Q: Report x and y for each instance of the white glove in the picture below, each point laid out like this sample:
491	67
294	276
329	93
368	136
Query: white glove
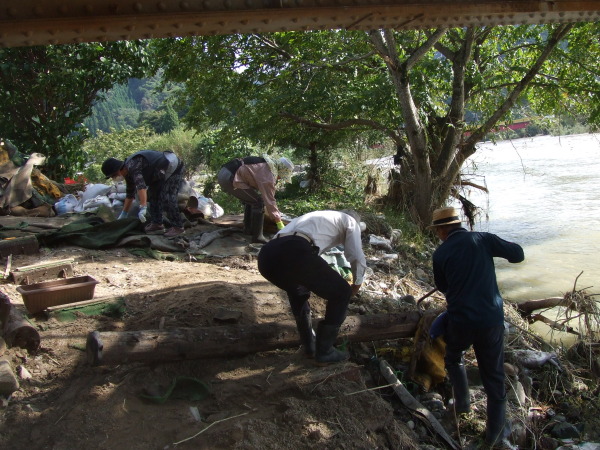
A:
123	215
142	214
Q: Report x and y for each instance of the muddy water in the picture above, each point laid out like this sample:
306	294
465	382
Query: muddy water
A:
544	193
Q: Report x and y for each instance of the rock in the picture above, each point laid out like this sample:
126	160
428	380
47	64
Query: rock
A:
564	430
24	374
547	443
518	434
516	393
408	299
510	370
8	381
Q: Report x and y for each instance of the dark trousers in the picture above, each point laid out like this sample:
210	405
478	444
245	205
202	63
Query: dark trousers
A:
488	344
163	196
293	264
247	196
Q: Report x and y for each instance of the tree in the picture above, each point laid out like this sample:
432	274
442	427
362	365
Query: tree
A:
48	91
435	94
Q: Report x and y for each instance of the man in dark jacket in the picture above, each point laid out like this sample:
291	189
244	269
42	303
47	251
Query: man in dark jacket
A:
155	177
463	268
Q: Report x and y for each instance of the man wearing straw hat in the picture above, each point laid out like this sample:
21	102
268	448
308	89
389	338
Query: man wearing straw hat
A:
463	268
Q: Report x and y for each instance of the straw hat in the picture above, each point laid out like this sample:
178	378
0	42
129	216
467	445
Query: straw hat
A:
445	216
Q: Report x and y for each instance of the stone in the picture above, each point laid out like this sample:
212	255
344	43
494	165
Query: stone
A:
564	430
8	381
24	373
516	393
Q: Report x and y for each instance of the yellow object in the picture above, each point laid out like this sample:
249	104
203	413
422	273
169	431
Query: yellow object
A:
427	362
280	225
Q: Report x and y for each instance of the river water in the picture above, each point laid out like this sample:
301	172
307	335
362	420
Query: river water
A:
544	193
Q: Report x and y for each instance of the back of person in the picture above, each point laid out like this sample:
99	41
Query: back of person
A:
472	292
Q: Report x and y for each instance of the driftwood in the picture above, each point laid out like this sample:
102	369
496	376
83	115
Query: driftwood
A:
529	306
116	347
16	330
413	404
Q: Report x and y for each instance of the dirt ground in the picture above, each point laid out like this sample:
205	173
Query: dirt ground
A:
270	400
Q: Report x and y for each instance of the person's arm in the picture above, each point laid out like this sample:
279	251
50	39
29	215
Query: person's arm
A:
143	197
354	254
510	251
439	278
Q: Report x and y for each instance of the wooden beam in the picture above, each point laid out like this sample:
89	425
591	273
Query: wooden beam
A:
31	22
117	347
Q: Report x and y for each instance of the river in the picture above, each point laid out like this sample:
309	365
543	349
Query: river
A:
544	193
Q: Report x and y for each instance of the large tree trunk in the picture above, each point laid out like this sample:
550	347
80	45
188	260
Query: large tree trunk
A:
116	347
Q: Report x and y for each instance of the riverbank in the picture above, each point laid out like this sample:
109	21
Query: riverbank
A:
271	399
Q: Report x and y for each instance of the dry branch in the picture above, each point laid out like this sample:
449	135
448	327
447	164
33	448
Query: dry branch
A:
413	404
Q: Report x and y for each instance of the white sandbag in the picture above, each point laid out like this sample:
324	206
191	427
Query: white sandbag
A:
66	204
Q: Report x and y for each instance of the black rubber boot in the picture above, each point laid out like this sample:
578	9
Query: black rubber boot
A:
496	428
256	224
326	353
247	219
306	332
460	387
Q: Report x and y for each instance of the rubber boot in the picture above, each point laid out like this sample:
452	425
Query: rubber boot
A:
247	219
460	387
306	332
326	353
256	224
496	428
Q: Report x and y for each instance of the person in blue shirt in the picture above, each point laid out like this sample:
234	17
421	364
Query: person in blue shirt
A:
463	269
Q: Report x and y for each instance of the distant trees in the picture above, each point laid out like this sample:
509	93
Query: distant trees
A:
48	91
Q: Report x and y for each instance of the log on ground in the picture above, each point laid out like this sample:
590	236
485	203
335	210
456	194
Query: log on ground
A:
117	347
16	330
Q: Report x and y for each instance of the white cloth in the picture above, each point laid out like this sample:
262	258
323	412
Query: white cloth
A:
328	229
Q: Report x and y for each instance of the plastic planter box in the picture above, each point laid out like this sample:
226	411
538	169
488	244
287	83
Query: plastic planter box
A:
40	296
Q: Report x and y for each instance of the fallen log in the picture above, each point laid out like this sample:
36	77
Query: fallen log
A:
117	347
529	306
16	330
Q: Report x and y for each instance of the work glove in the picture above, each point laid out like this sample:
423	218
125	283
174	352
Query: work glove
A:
280	225
123	215
142	214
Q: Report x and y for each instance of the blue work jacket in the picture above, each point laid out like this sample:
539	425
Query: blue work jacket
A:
463	268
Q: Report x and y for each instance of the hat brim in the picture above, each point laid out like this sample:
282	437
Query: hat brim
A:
435	225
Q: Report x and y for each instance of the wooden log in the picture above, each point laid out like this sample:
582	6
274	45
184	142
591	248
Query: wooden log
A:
116	347
529	306
16	330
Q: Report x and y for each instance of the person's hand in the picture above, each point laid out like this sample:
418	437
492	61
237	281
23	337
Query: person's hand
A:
355	289
142	214
123	215
280	225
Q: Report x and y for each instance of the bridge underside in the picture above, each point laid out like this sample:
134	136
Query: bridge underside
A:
35	22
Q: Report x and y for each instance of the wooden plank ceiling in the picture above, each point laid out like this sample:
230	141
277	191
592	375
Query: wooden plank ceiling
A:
41	22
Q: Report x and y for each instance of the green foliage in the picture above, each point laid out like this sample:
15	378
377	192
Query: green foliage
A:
49	90
115	111
117	144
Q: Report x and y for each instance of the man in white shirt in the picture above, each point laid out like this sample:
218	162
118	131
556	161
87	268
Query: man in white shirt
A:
292	262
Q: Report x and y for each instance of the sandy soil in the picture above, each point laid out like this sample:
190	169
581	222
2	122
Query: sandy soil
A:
270	400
